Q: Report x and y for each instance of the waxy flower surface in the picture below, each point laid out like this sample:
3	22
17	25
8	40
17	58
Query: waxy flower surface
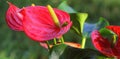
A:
104	45
38	23
14	18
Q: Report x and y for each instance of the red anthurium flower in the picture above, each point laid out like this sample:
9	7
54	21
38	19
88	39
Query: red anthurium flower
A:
116	30
37	22
13	18
103	44
39	25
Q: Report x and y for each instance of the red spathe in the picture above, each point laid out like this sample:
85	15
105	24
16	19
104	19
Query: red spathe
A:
14	18
38	23
104	46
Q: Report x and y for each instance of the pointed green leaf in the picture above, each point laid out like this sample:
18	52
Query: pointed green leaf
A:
64	6
57	51
75	26
107	34
63	51
105	31
81	18
102	23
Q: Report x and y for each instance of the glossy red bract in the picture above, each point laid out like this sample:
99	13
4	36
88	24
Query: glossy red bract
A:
39	26
115	29
104	46
14	18
37	22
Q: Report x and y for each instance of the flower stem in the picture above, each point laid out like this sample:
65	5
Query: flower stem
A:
48	45
83	42
62	40
55	42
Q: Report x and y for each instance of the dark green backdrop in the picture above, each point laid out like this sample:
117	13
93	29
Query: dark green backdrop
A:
16	45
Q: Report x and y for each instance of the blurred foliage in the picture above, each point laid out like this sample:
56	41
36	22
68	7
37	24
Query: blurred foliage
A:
108	9
63	51
16	45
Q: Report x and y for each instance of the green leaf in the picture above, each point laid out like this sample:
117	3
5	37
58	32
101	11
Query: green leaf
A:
86	27
81	18
75	26
107	34
63	51
105	31
102	23
57	51
78	20
89	27
64	6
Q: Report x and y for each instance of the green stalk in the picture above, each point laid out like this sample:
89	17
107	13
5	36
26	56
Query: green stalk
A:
55	42
48	45
62	40
83	42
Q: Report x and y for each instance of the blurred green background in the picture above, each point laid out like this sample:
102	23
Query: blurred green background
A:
16	45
